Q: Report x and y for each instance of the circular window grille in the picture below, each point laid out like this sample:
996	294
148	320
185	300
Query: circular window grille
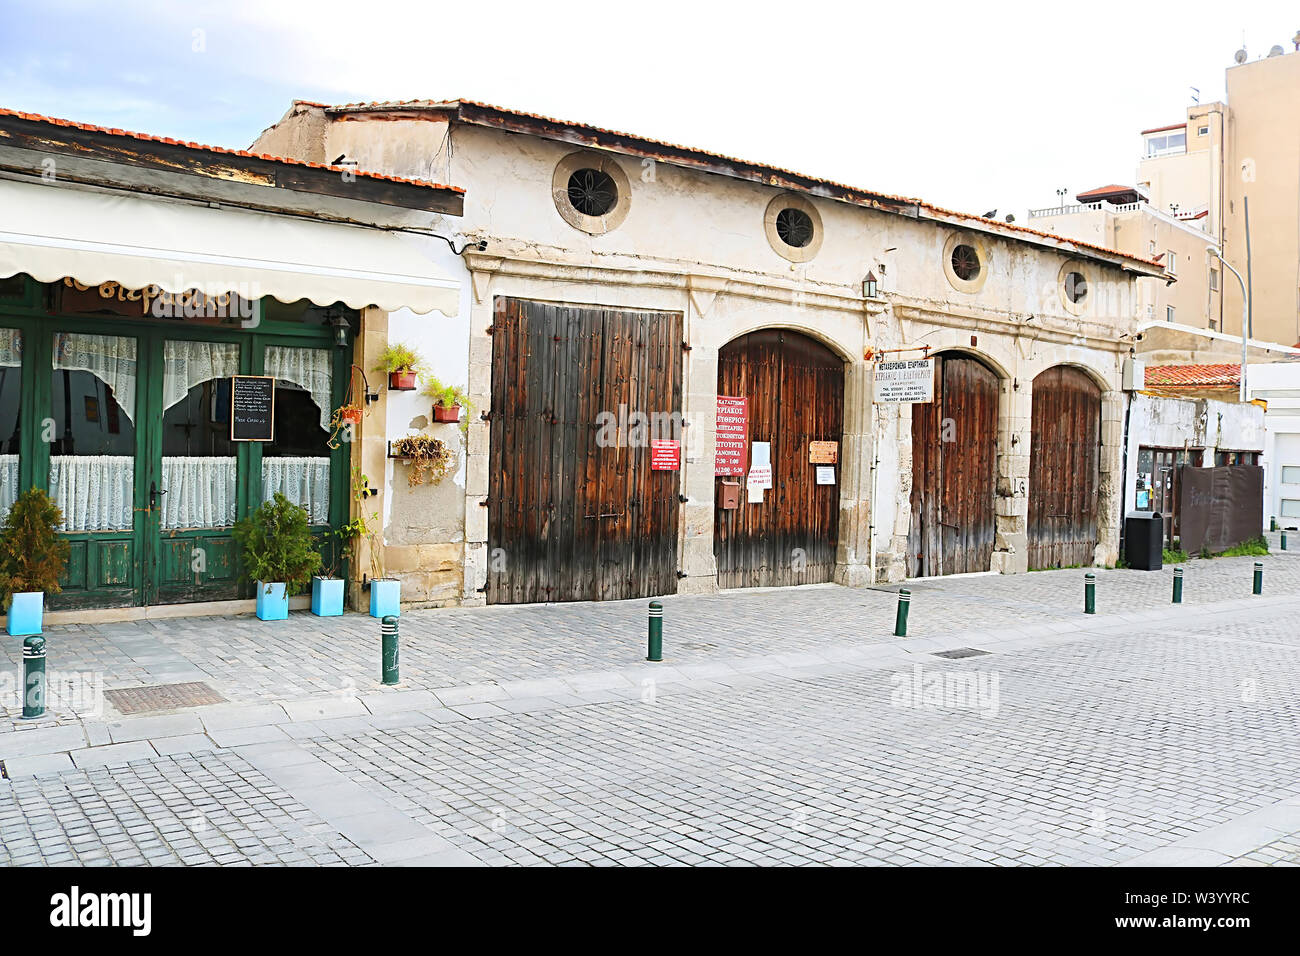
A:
592	192
1076	287
795	227
965	263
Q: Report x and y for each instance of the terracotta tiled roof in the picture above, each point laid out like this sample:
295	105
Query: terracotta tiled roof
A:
1193	376
1110	190
885	198
145	137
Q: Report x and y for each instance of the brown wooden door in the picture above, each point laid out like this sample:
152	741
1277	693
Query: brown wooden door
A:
795	388
574	511
954	461
1064	462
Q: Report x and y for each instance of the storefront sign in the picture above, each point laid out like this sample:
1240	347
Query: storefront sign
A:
904	382
252	408
823	452
227	308
731	430
665	454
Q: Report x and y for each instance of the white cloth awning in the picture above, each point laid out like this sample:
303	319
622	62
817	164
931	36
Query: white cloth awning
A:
53	231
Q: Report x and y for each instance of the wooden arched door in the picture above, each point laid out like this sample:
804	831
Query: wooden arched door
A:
1064	469
794	387
954	462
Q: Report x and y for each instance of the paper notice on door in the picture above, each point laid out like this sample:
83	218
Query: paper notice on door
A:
760	453
760	476
755	496
825	475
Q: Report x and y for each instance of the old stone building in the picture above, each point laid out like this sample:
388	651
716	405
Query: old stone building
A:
612	275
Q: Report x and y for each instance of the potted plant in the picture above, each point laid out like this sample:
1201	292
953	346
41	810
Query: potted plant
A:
278	554
327	588
402	363
448	400
428	457
32	559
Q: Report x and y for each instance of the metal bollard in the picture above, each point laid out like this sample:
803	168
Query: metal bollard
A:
1178	585
900	621
1272	523
655	634
1259	578
1283	539
33	677
388	650
1090	593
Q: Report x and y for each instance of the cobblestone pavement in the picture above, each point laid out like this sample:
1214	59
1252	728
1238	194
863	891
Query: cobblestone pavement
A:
249	661
1157	738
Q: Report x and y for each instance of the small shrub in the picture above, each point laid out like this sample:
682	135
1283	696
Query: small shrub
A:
399	358
277	545
1255	547
1176	556
32	554
429	456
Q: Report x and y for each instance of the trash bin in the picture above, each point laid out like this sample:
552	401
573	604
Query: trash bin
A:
1144	540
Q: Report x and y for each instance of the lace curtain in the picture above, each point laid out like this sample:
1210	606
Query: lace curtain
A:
304	481
11	348
8	483
200	492
93	491
313	369
111	358
186	364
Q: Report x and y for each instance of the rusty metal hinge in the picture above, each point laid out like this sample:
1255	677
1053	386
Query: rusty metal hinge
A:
490	330
686	346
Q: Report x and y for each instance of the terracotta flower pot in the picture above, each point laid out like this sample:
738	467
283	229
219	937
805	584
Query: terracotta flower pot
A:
402	380
446	413
350	415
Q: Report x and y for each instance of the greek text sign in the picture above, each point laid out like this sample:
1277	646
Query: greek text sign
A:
904	382
733	423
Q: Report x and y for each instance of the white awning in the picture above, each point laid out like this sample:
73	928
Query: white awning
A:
53	231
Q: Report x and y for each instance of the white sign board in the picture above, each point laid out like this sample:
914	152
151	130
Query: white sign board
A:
760	476
825	474
908	381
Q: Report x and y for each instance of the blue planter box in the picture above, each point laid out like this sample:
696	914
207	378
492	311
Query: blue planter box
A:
25	613
327	597
385	598
272	601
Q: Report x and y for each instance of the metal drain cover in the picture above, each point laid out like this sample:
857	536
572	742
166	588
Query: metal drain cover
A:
139	700
959	652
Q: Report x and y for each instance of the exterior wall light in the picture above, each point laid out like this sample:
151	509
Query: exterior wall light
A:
869	286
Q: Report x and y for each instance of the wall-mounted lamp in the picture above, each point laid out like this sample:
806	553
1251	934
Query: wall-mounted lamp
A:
338	321
869	286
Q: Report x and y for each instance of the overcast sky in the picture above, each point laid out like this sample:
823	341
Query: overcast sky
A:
968	105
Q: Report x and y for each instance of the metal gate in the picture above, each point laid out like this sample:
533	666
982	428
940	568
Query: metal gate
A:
954	460
795	391
1064	463
575	512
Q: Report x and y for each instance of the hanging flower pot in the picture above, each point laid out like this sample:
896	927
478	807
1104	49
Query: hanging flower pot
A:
446	413
402	380
350	414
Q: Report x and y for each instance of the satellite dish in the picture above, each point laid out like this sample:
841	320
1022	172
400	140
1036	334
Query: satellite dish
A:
1241	55
1277	50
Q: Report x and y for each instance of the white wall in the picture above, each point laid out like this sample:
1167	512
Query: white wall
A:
1278	384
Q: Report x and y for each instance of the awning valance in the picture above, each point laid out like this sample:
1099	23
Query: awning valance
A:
53	231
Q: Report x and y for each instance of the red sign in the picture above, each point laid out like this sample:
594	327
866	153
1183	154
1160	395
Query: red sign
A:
732	427
665	454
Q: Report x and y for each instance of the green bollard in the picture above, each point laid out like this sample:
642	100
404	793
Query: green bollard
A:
1283	539
655	639
388	650
1259	578
1090	593
1178	585
900	621
1272	523
33	677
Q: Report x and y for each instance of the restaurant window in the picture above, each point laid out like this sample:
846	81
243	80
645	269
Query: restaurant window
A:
11	385
198	458
92	446
297	462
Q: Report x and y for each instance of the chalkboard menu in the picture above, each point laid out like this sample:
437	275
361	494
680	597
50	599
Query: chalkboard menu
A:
252	408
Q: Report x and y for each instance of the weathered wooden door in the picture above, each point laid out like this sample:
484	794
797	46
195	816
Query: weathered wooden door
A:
575	512
954	461
1064	458
795	391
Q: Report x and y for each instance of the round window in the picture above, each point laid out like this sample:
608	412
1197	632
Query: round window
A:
1076	287
965	262
795	227
592	192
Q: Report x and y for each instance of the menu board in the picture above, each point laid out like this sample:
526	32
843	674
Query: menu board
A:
252	408
732	424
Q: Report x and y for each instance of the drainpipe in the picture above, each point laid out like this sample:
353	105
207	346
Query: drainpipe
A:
871	501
